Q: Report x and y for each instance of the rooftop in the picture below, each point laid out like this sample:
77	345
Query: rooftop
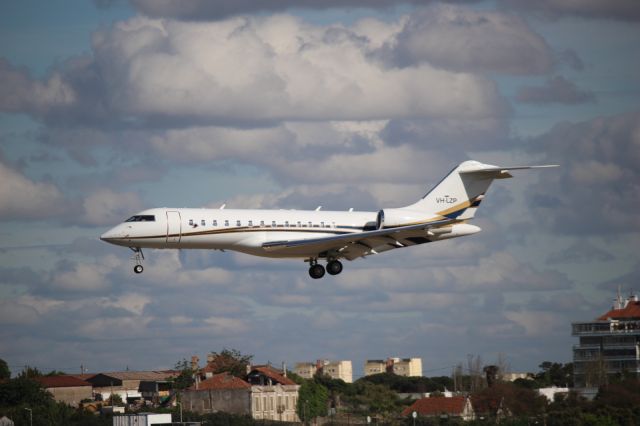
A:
222	381
437	405
628	309
62	381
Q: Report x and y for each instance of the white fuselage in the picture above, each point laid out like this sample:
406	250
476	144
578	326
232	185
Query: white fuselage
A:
233	229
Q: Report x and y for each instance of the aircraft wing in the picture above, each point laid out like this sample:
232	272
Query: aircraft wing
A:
358	244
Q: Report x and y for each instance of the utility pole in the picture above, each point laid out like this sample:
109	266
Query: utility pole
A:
30	416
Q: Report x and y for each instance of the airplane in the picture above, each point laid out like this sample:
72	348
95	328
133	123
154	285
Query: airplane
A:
443	213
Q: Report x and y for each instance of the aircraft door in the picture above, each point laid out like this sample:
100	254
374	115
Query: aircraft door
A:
174	227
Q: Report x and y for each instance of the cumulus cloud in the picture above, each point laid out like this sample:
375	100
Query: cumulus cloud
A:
462	39
217	9
23	198
557	89
598	183
19	92
580	252
624	10
107	207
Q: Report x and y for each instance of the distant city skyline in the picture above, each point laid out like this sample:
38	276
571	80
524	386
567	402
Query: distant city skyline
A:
110	107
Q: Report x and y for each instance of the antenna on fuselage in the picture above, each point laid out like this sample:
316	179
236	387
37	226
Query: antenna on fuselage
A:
318	209
223	206
351	209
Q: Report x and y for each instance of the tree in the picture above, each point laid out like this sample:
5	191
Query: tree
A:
5	373
23	391
312	400
186	376
231	361
29	372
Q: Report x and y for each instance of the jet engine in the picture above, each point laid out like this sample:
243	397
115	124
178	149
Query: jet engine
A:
390	218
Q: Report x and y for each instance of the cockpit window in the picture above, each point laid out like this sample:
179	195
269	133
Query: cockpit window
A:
142	218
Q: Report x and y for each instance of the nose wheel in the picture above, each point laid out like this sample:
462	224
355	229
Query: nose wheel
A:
138	257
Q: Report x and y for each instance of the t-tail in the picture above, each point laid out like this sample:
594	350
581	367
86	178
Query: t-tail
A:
460	193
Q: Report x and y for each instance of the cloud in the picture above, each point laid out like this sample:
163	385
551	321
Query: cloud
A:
462	39
623	10
107	207
217	9
20	93
557	89
257	71
596	188
23	198
580	252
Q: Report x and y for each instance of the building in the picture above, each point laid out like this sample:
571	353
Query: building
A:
126	384
409	367
265	394
142	419
510	377
67	389
335	369
455	407
609	346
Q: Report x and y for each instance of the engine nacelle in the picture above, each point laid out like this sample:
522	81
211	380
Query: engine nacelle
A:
390	218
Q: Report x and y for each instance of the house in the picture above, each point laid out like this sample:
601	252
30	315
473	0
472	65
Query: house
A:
265	394
126	384
67	389
456	407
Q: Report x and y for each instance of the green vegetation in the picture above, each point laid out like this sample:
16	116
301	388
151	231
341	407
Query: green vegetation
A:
617	403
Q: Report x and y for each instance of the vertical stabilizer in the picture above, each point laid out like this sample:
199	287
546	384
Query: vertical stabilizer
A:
460	193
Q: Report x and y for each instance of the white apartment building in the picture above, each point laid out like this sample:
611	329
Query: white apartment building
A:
335	369
409	367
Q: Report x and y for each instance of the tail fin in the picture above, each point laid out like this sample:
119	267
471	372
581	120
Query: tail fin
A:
459	194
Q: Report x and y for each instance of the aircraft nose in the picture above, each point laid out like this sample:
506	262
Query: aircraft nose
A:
111	235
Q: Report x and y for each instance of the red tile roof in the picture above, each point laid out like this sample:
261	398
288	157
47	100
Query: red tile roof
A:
437	405
222	381
274	375
631	311
60	381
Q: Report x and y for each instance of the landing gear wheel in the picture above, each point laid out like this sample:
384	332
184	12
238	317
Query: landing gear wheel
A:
138	269
316	271
334	267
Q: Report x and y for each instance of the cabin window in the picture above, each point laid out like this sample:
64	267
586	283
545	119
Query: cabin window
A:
215	222
299	224
273	223
310	225
238	223
202	222
316	226
190	222
262	223
286	223
142	218
250	223
321	224
226	222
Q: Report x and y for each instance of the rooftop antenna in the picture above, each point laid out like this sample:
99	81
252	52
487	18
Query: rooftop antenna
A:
619	298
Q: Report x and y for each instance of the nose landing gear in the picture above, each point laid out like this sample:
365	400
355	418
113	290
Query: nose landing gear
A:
137	257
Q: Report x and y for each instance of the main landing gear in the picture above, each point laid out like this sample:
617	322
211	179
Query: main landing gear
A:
138	257
316	271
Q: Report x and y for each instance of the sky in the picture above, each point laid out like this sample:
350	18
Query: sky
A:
109	107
